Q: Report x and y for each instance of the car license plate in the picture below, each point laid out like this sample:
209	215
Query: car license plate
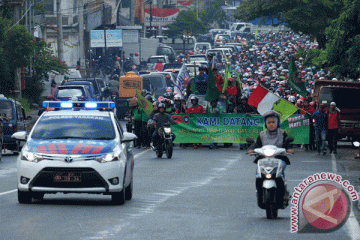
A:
67	177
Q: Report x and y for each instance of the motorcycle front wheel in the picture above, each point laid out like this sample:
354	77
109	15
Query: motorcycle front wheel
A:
271	210
169	150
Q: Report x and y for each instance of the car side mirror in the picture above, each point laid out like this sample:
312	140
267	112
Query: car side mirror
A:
356	144
128	137
20	135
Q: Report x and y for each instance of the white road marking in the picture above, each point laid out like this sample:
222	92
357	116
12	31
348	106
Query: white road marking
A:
351	224
14	170
310	161
11	191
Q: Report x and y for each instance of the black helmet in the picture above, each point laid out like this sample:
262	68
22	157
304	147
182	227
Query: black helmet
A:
271	113
149	97
244	98
167	95
144	92
194	98
161	105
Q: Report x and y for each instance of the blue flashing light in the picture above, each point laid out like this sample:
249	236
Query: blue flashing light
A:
91	105
44	104
66	105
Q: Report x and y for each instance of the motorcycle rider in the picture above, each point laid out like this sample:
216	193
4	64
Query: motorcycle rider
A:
160	119
273	135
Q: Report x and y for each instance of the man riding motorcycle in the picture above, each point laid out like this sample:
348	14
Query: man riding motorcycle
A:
273	135
160	119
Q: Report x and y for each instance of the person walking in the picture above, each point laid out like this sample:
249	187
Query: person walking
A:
321	126
53	85
333	126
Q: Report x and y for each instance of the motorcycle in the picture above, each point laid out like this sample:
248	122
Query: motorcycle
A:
270	183
165	142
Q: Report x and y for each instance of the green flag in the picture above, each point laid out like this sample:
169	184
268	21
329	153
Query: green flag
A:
240	84
227	75
294	80
284	108
257	31
212	92
144	103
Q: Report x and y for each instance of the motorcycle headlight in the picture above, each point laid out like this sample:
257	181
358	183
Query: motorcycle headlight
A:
167	130
269	152
268	176
109	157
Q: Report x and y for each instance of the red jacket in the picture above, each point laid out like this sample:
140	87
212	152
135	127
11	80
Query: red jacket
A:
198	109
333	120
219	82
310	110
231	91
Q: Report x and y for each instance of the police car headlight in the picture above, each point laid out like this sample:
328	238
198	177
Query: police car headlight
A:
167	130
109	157
30	156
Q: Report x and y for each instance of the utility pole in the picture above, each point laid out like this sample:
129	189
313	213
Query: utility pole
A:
197	9
160	5
132	12
81	34
105	61
59	26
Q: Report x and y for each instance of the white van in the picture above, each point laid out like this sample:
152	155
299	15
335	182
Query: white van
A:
240	26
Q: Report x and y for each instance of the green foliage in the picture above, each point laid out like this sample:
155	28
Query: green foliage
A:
25	103
18	46
186	23
343	47
212	12
314	57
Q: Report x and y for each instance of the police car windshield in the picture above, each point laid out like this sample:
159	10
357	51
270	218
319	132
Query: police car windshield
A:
74	126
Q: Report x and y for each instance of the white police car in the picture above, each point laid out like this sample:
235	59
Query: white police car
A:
77	149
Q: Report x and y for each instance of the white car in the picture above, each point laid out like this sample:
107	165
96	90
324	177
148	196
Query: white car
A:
76	149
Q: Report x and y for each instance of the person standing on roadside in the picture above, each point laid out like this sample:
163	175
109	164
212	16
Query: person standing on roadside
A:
321	126
53	85
333	126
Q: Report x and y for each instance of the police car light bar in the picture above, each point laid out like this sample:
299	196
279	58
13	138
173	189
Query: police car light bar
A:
78	105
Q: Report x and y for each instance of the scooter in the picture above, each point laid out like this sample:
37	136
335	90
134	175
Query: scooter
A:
165	142
270	183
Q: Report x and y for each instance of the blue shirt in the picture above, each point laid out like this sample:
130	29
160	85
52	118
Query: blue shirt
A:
201	83
321	120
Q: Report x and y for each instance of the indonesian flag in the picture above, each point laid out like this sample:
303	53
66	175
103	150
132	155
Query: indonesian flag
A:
265	101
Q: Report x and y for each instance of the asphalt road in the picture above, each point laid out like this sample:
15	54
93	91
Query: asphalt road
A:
198	194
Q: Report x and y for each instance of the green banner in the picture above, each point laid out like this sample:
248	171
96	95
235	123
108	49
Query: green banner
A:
233	128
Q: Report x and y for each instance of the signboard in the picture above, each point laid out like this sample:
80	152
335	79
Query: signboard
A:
233	128
161	16
113	38
130	36
128	85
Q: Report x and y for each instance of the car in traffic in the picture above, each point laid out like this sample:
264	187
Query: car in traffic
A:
197	58
155	83
87	85
202	47
170	78
153	60
221	39
98	85
70	92
13	120
77	149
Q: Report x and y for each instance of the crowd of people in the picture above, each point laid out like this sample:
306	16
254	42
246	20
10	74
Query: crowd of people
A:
264	62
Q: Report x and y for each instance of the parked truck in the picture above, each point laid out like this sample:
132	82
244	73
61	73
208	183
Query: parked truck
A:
346	96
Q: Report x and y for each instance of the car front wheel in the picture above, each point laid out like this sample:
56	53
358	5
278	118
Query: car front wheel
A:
24	197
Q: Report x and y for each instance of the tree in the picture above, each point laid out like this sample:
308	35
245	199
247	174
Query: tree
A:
302	16
212	12
186	24
343	47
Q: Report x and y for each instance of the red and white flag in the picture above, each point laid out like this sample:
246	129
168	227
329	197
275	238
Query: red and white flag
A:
265	101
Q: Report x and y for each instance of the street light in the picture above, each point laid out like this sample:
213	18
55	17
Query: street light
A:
150	2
